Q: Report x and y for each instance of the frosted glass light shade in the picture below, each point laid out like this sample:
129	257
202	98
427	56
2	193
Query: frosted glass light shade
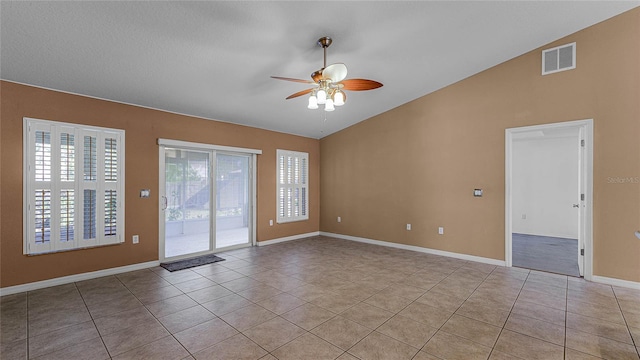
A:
329	105
313	102
322	96
338	98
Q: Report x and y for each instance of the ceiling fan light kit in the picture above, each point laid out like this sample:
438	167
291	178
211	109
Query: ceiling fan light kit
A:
329	83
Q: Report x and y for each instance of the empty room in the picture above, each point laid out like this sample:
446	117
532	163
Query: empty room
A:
320	180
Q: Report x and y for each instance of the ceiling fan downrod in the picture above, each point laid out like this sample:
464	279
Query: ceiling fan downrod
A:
325	42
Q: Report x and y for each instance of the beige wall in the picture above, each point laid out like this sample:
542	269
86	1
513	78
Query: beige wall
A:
415	164
420	162
143	127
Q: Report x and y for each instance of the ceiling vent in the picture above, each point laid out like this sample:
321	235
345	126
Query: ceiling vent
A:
559	58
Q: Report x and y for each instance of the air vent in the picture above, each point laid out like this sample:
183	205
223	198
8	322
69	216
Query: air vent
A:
559	58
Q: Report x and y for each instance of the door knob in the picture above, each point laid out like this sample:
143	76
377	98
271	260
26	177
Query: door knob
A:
576	205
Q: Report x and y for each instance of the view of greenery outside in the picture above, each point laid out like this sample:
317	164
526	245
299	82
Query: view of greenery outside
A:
187	188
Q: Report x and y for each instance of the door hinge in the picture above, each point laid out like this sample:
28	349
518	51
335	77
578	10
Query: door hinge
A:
582	143
581	197
582	252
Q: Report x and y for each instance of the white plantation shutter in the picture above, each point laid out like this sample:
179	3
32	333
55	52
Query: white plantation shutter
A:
293	187
74	182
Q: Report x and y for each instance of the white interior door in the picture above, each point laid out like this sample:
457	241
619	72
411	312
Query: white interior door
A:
581	199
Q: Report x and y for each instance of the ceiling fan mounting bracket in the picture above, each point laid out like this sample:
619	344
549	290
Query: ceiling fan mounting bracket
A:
324	42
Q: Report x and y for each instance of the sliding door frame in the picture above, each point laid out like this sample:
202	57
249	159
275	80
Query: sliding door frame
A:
212	149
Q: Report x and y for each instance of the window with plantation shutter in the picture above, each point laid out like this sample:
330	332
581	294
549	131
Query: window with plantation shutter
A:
293	186
74	186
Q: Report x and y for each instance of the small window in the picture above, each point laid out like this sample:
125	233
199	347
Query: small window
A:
292	186
559	58
74	186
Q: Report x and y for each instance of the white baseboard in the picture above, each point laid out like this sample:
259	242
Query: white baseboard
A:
417	248
616	282
287	238
76	277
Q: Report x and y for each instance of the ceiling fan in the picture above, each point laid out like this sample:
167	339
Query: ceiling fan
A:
330	83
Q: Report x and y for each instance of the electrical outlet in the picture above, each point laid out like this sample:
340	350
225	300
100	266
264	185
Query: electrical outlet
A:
440	230
408	226
136	239
270	222
339	219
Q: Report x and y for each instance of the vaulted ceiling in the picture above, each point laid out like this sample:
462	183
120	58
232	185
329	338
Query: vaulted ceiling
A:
214	59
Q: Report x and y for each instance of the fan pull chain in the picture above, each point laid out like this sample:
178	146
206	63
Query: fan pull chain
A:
323	125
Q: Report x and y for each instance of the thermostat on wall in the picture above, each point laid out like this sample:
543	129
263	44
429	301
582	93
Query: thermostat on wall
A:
477	192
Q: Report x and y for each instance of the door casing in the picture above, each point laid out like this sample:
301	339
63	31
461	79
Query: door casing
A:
585	227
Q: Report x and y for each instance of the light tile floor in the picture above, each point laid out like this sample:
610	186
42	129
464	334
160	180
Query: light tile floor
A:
323	298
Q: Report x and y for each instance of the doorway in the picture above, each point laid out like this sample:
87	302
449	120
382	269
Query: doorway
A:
207	199
548	178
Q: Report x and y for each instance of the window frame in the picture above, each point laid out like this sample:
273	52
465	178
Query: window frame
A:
78	186
304	184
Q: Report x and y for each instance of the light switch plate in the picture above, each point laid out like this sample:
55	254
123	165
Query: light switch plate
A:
145	193
477	192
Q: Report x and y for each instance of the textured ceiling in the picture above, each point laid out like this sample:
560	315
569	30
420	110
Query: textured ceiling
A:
214	59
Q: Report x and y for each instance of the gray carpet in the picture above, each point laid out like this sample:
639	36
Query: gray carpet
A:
189	263
551	254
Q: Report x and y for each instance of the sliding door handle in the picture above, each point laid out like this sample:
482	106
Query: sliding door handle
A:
164	203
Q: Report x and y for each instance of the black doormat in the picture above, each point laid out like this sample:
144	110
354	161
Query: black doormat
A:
193	262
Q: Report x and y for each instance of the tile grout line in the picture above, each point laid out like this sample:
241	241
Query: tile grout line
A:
28	340
412	302
75	284
510	311
152	314
633	340
566	319
220	318
160	322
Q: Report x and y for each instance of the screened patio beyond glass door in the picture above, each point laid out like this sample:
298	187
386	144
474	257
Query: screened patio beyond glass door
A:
232	200
188	193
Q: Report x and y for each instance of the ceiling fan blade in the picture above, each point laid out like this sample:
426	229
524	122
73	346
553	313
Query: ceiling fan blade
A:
335	72
292	79
299	93
360	84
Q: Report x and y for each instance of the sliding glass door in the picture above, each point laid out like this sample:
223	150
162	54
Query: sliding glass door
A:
195	184
232	200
